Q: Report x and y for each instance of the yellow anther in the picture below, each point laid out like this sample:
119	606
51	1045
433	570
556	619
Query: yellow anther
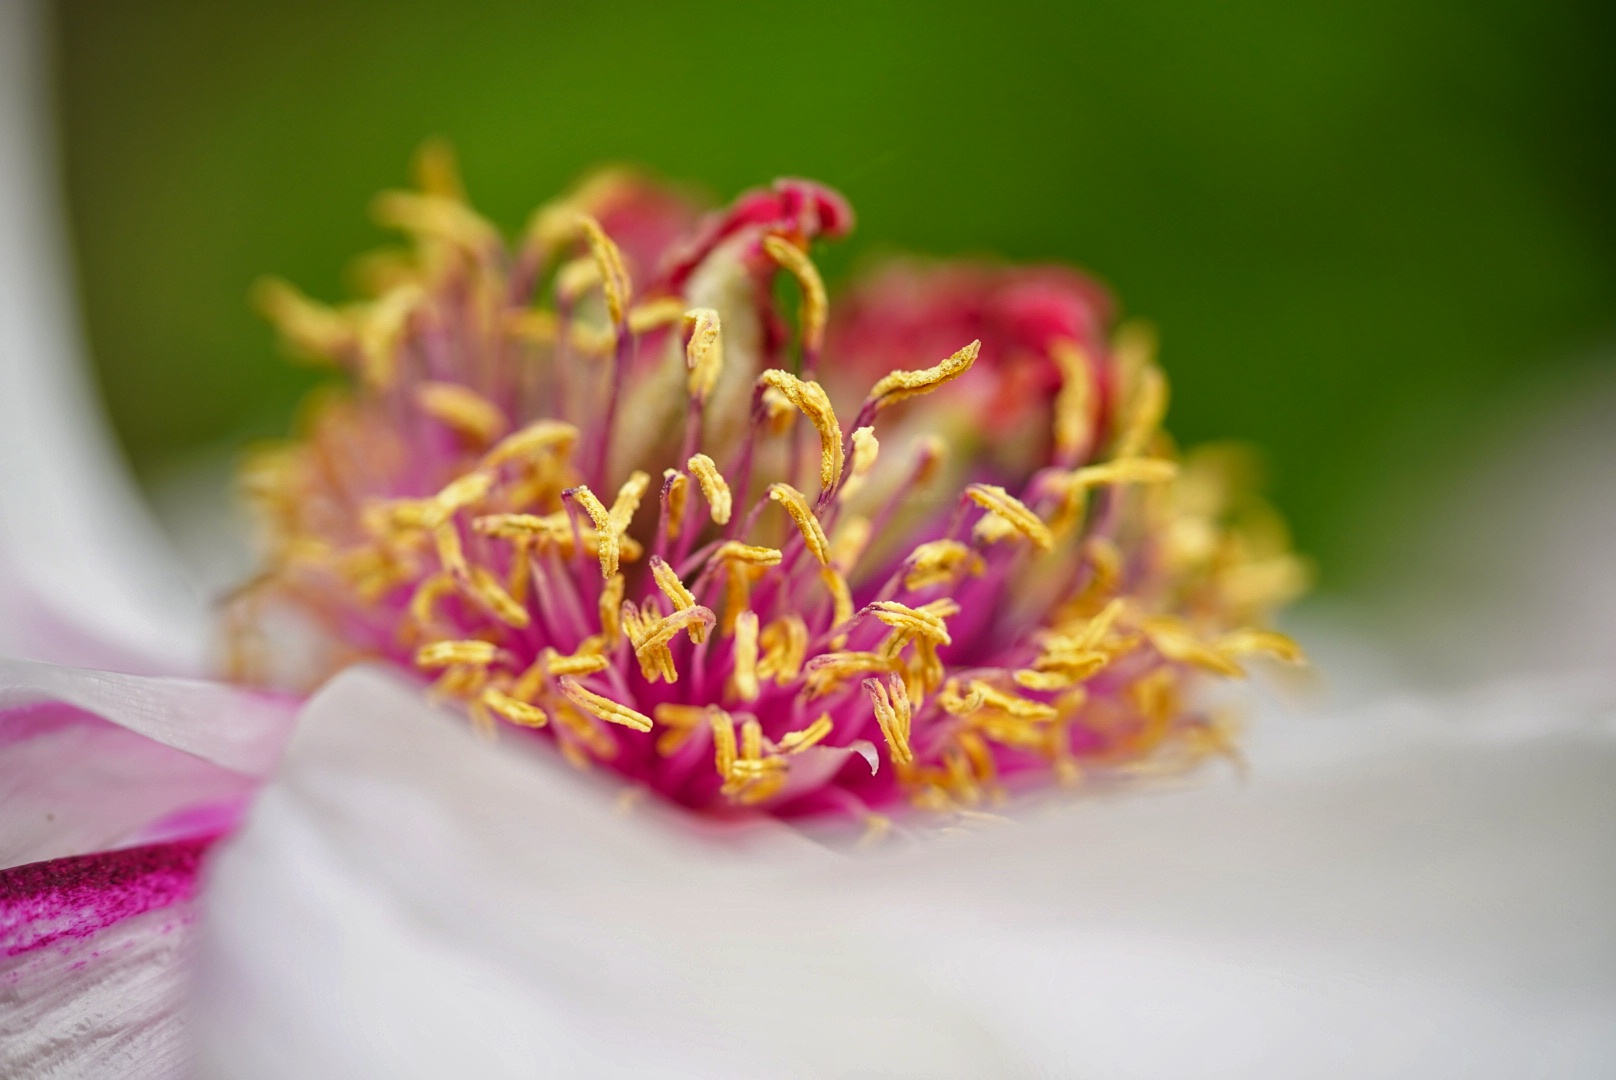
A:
675	494
704	353
751	739
744	680
517	712
893	714
381	331
1144	414
865	449
435	170
1174	640
487	590
554	528
810	398
656	659
923	622
813	533
442	654
1074	405
733	551
714	488
628	500
424	601
778	412
312	329
938	562
435	217
723	726
472	416
541	436
679	723
957	704
900	385
785	645
451	556
841	598
602	708
829	670
609	547
614	277
695	620
1011	704
795	742
1132	470
668	581
577	664
795	261
1251	642
655	314
1013	512
609	609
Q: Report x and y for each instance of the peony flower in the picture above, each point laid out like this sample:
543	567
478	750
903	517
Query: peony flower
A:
1415	887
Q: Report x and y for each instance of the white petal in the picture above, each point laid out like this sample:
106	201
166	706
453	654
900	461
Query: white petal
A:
91	760
92	971
1424	895
85	575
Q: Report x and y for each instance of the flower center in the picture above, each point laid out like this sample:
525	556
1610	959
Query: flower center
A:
998	573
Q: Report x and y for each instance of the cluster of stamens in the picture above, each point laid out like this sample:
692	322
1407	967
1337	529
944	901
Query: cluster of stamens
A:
588	487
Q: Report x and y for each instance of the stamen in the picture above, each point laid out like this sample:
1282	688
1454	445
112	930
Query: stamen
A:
606	534
472	416
704	353
744	680
785	645
813	534
610	608
602	708
865	449
795	742
538	437
442	654
381	331
1145	413
902	385
314	330
939	562
1074	405
723	741
1003	506
915	622
614	277
812	401
795	261
517	712
713	488
893	714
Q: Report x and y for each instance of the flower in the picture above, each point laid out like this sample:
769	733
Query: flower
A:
622	510
1417	886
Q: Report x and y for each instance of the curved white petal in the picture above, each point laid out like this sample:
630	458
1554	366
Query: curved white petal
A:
85	575
92	941
1424	891
91	760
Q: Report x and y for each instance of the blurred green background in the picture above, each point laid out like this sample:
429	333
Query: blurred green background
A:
1363	229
